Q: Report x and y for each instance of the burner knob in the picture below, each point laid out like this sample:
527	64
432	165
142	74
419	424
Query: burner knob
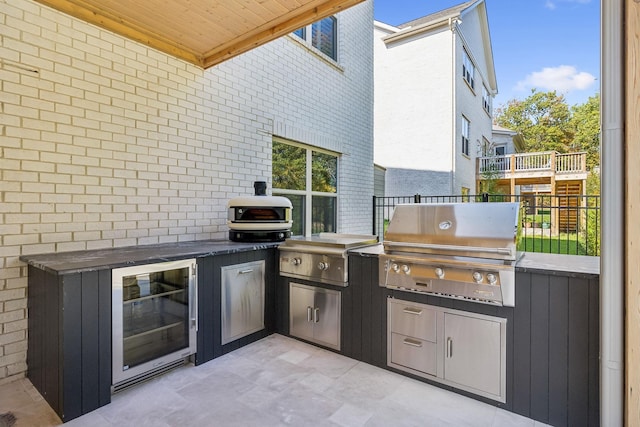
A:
323	265
477	277
395	267
296	261
406	269
491	278
439	272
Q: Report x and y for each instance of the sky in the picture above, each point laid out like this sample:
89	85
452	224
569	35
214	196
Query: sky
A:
542	44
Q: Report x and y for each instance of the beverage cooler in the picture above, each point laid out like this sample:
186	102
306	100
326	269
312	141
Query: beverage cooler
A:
154	319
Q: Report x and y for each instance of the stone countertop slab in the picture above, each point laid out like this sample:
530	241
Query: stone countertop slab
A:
559	264
109	258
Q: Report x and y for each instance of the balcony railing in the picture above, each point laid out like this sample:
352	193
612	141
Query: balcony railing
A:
545	161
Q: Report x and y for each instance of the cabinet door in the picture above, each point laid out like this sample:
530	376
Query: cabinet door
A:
301	307
326	318
242	300
474	353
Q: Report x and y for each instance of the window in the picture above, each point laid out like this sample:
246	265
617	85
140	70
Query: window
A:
468	69
309	178
486	99
486	147
500	150
466	125
322	35
301	32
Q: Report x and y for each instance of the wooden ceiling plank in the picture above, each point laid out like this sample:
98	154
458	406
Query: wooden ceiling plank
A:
192	28
318	10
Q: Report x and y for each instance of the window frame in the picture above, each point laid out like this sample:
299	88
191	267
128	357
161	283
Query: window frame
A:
468	76
305	34
487	104
465	133
308	193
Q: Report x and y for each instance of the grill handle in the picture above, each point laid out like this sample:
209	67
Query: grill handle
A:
502	251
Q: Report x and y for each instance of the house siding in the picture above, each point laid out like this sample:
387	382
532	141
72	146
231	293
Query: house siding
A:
469	102
408	182
413	101
420	98
107	143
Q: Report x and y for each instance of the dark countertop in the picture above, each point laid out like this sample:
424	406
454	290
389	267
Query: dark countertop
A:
556	264
100	259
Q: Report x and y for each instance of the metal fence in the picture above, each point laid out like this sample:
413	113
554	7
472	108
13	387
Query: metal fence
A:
559	224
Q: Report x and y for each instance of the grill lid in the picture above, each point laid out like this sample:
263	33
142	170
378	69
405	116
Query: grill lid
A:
484	230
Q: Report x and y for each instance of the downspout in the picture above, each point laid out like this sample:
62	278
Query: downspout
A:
612	256
454	78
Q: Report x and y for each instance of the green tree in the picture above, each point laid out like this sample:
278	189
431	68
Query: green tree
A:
543	119
585	121
289	166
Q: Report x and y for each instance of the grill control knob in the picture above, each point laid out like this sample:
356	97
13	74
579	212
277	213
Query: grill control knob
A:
491	278
395	267
296	261
323	265
477	277
406	269
439	272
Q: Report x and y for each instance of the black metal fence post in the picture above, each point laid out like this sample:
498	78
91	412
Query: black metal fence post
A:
375	214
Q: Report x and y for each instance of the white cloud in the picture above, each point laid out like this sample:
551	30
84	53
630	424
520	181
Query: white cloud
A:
553	4
564	78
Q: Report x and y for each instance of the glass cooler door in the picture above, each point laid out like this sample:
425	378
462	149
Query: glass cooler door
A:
153	316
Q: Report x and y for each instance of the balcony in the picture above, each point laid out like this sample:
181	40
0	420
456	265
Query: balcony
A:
533	168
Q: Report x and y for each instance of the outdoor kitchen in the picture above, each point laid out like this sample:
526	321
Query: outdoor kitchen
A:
188	236
444	298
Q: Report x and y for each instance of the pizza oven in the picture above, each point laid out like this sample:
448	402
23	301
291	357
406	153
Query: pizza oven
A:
259	218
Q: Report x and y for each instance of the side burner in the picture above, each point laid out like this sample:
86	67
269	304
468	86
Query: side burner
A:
321	258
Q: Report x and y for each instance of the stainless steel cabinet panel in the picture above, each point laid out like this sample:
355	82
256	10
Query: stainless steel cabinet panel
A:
301	311
461	349
414	321
242	300
414	353
472	353
314	314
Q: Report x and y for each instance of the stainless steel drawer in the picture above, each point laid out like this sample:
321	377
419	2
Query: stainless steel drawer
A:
414	353
413	320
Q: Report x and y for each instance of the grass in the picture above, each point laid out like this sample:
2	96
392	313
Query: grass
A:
562	244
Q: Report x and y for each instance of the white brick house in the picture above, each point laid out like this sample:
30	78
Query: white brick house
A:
105	142
434	86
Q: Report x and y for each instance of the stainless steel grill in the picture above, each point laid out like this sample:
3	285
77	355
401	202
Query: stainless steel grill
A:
456	250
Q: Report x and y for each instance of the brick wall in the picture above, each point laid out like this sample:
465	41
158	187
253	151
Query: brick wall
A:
106	143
